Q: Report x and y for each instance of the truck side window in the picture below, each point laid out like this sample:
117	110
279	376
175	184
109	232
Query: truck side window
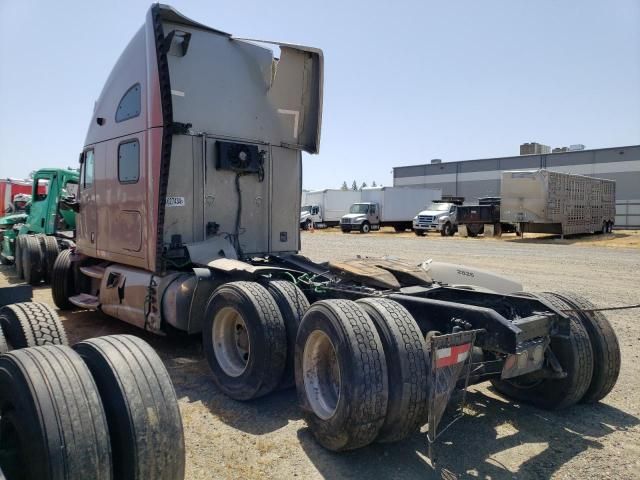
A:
314	211
42	188
129	106
372	209
453	209
129	161
87	169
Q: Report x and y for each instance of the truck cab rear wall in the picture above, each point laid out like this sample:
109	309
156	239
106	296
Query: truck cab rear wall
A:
159	98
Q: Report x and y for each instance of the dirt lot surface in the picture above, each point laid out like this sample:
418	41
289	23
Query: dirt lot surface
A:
501	439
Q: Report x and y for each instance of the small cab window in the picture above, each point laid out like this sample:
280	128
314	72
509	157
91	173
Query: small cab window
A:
372	210
129	162
42	188
87	169
129	106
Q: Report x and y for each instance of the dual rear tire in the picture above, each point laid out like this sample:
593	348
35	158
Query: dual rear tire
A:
35	256
105	409
368	354
590	356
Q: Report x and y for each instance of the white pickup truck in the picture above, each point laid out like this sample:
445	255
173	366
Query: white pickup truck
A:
440	216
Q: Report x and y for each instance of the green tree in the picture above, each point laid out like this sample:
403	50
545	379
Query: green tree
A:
364	185
354	186
344	186
374	184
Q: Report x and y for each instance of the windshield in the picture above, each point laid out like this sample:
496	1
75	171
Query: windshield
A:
305	208
439	207
359	208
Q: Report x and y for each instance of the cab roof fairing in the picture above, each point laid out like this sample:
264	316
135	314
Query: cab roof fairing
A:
319	55
169	14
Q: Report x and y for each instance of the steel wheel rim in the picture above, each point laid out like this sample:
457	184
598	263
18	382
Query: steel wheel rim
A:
231	344
365	228
321	373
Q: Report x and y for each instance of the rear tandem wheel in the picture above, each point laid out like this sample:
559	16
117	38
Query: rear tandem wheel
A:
575	355
341	375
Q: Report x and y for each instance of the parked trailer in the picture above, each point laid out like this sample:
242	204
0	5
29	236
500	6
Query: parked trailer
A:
165	247
325	208
543	201
9	188
474	220
387	207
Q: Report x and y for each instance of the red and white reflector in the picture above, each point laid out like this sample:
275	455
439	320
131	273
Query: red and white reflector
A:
445	357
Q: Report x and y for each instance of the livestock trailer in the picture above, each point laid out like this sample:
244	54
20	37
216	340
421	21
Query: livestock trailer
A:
543	201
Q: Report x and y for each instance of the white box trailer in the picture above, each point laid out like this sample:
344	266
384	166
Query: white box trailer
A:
542	201
325	208
388	207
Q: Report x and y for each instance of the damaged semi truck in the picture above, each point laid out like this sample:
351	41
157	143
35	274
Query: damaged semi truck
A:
189	215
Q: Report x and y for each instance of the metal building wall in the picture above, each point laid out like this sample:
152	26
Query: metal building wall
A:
479	178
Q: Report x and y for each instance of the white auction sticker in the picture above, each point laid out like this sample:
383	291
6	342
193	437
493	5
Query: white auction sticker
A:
175	202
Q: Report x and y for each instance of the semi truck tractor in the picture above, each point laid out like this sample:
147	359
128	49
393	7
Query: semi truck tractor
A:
325	208
544	201
440	216
387	207
33	240
189	221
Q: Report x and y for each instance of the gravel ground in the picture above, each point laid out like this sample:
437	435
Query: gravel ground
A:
267	438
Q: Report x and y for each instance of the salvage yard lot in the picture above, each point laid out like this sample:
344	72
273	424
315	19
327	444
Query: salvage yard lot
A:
499	439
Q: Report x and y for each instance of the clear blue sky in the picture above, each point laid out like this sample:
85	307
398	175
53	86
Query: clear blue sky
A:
404	81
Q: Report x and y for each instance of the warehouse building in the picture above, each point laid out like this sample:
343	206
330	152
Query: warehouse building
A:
473	179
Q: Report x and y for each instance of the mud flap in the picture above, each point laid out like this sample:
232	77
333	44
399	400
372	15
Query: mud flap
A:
450	367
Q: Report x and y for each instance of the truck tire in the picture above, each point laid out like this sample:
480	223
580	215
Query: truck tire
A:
419	233
62	281
31	324
245	340
341	375
398	228
292	305
50	252
405	352
32	260
51	416
145	427
575	355
606	349
17	256
447	230
365	227
4	348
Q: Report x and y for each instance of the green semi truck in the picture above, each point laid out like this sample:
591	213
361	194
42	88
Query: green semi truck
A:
33	239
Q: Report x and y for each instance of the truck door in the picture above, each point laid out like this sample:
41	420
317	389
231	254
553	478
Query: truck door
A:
374	214
453	214
86	221
38	212
123	199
